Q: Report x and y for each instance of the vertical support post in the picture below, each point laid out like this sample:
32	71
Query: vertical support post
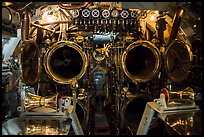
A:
25	26
74	99
75	121
161	27
74	85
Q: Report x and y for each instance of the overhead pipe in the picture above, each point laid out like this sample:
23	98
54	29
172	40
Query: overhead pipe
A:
41	27
74	7
176	24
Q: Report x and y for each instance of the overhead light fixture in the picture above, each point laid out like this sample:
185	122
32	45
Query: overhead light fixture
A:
152	17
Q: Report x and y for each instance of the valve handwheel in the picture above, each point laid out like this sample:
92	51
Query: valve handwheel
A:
124	14
85	13
105	13
95	13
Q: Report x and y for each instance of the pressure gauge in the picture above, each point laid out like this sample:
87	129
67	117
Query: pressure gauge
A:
115	13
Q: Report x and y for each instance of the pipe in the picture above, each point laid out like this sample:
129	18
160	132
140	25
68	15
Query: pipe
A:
55	22
39	26
25	20
32	30
74	7
176	24
25	6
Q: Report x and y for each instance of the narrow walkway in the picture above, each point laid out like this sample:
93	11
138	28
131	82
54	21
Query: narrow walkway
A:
101	123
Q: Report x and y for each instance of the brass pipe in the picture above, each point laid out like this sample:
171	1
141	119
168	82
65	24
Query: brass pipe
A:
32	30
74	7
55	22
25	20
71	30
25	6
65	14
176	24
39	26
78	33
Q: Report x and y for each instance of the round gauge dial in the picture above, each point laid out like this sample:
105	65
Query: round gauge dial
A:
115	13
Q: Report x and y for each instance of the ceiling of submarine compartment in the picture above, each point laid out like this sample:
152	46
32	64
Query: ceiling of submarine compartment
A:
193	7
125	5
161	6
30	5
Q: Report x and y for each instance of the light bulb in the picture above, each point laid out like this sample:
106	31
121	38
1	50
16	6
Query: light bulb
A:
152	17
